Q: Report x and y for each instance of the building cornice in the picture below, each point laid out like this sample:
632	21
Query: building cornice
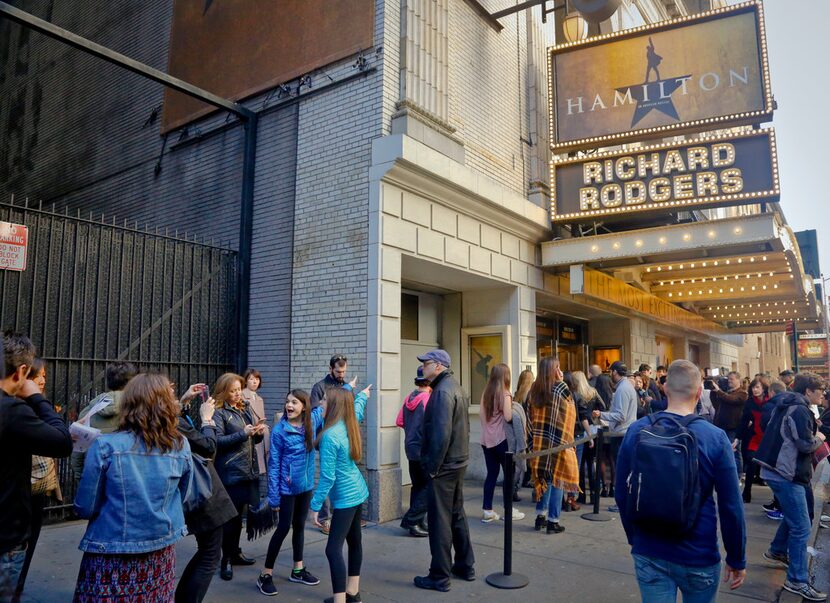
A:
413	166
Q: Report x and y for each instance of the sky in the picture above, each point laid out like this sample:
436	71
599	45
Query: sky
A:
798	42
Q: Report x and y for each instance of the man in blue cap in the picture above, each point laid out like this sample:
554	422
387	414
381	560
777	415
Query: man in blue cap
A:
444	457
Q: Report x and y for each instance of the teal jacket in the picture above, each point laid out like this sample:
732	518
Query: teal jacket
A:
340	479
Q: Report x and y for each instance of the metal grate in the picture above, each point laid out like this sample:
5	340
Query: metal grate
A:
94	292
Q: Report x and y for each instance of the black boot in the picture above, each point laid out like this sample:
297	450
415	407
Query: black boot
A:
226	571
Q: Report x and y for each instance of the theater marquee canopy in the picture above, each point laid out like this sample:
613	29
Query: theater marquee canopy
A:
681	75
708	172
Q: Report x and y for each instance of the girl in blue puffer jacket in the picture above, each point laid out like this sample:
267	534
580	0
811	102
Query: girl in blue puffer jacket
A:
290	483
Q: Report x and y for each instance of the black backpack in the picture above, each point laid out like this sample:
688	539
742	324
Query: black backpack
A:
663	487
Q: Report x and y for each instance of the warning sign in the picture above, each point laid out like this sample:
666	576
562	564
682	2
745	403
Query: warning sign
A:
13	241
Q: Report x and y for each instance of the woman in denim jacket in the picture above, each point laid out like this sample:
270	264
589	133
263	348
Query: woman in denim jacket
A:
132	489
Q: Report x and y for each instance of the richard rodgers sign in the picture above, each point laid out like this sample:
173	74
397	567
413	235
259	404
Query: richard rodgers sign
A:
694	174
677	76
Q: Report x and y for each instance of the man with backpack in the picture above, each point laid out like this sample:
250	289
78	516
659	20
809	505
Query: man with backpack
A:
668	466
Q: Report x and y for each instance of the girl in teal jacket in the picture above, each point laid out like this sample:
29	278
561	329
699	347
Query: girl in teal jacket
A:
341	480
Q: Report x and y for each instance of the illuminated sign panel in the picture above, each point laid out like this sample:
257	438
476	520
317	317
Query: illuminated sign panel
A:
677	76
701	173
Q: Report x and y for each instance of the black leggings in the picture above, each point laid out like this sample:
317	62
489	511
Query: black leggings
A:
345	525
293	513
242	494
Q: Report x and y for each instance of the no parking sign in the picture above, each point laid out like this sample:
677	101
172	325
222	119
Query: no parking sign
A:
13	241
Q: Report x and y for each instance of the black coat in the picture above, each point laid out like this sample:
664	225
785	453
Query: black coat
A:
446	442
604	387
235	457
218	509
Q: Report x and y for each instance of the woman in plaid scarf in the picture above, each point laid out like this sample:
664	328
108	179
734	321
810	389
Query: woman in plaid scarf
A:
552	418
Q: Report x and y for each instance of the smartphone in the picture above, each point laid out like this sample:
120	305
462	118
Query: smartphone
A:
714	372
260	422
205	393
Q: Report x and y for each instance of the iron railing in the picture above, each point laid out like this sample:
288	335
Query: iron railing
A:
95	291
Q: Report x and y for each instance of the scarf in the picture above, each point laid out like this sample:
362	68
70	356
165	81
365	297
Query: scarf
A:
553	425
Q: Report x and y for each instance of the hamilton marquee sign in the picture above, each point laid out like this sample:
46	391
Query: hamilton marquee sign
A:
725	170
682	75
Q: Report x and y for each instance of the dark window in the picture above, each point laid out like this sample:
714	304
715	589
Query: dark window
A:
409	316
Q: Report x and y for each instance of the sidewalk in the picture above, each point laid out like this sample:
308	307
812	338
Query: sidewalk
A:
589	562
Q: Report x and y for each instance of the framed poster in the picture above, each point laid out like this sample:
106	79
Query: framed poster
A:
482	348
606	356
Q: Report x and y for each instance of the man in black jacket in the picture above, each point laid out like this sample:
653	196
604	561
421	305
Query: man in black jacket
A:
444	457
28	426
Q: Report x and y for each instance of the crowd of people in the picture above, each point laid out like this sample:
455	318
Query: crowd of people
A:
160	466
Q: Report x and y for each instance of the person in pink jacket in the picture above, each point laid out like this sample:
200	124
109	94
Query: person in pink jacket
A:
411	420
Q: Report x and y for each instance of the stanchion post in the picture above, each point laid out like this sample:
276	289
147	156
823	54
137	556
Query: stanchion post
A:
598	450
508	579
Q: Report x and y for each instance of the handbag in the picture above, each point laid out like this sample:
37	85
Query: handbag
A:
44	475
820	454
201	485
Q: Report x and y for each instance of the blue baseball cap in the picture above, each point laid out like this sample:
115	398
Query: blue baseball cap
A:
419	375
439	356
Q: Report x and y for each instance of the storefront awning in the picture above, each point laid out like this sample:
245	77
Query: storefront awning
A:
742	273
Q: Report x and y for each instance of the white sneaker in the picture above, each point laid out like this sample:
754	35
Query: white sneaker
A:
517	515
489	516
825	518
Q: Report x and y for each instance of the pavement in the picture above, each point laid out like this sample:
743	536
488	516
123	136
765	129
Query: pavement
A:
589	562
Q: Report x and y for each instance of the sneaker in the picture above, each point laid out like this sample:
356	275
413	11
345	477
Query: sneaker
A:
614	509
777	559
265	583
770	506
302	576
776	515
489	516
326	526
806	591
517	515
824	517
428	583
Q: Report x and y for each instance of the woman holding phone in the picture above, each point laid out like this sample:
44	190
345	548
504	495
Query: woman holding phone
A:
237	431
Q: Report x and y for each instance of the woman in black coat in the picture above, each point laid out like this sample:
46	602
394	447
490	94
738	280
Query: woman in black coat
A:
207	521
237	432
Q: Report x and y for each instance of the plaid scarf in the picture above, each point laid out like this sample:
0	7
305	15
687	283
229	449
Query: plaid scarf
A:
553	425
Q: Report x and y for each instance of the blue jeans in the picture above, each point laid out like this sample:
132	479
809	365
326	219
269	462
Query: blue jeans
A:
11	564
659	580
552	499
794	532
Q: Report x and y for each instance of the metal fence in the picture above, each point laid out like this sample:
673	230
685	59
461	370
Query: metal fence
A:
94	292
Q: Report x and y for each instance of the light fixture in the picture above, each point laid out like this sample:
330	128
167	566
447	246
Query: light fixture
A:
575	26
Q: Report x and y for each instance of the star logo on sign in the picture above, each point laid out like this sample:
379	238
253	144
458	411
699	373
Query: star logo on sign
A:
651	96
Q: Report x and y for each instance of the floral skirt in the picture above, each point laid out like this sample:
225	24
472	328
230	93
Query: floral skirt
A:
142	578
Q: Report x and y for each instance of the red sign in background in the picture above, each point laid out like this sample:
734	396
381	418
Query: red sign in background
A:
13	241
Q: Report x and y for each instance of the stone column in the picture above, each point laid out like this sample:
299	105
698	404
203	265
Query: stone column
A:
423	105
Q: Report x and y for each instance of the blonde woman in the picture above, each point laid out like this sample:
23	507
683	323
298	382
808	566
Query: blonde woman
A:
237	431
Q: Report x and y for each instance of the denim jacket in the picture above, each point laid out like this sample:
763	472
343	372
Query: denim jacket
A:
132	496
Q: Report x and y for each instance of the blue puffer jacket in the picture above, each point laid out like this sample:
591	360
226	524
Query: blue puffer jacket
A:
340	479
291	467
